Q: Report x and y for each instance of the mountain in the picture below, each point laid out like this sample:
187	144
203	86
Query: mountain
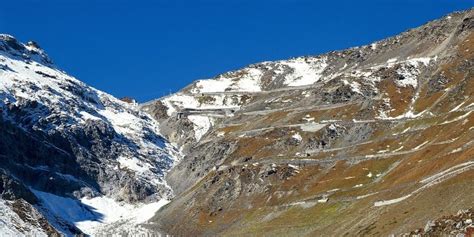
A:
73	159
372	140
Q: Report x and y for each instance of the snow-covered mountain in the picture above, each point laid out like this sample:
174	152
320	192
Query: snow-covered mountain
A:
85	157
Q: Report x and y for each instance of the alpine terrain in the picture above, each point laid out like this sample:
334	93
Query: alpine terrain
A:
72	159
369	141
372	140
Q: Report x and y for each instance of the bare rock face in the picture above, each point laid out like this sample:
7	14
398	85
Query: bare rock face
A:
19	214
11	189
128	100
372	140
460	224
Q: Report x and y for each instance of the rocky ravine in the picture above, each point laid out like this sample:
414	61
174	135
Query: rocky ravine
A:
373	140
72	159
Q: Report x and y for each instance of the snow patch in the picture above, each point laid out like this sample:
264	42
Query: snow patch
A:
94	214
133	164
409	71
305	71
180	101
297	137
201	124
392	60
247	80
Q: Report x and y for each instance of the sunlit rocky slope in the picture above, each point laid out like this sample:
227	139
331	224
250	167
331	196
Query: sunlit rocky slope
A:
372	140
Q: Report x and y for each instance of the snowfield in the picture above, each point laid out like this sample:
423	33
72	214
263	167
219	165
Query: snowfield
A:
247	81
202	124
298	72
304	72
94	215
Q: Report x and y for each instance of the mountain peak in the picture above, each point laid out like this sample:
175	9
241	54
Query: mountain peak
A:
33	44
30	51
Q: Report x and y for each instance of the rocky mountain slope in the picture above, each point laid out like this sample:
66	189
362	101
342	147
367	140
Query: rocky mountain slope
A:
72	159
372	140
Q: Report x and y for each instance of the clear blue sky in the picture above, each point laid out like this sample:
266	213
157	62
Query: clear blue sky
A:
145	49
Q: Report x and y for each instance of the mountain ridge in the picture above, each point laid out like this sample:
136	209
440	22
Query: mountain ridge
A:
264	148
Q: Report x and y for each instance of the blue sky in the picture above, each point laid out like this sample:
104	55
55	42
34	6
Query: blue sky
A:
145	49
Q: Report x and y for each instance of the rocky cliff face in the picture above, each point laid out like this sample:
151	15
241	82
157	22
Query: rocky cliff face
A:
371	140
67	146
